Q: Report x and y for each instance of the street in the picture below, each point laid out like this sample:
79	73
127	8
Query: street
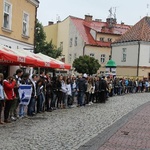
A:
67	129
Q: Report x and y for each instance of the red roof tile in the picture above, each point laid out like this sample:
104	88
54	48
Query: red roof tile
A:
139	32
84	28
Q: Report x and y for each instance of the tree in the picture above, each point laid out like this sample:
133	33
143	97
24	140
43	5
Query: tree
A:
86	64
41	46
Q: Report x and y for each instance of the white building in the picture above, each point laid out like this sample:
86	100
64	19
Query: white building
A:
131	51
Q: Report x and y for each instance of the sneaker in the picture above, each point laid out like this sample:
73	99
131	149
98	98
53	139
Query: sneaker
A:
13	118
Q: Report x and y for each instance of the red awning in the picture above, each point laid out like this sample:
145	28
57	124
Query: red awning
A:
59	64
12	57
27	58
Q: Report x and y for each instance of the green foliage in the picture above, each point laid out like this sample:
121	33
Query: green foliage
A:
41	46
86	64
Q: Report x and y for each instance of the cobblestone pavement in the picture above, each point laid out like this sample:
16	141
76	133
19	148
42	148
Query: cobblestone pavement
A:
133	135
67	129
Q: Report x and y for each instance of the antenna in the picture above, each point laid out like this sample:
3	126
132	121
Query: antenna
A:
112	12
57	17
147	9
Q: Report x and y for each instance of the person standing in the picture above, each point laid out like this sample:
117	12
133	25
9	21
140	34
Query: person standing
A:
1	97
27	81
103	87
13	110
81	88
9	85
31	106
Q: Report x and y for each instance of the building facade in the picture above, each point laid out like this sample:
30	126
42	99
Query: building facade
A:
131	51
18	23
78	37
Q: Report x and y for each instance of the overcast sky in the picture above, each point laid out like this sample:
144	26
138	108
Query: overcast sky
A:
127	11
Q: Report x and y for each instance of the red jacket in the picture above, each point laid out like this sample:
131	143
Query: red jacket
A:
9	90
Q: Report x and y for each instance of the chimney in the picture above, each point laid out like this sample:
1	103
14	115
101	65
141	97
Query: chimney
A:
111	22
50	23
58	21
98	20
122	23
88	18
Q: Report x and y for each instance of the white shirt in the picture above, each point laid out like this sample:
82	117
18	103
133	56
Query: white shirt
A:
68	87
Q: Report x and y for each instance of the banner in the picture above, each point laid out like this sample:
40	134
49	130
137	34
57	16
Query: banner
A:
25	94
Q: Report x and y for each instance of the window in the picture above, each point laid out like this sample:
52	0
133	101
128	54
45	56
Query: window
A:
75	42
70	42
61	45
101	39
25	24
109	39
75	55
7	16
91	55
70	57
102	58
124	54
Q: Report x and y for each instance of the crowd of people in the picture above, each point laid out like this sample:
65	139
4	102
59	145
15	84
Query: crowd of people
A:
60	92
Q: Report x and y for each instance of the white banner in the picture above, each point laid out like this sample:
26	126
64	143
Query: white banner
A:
25	92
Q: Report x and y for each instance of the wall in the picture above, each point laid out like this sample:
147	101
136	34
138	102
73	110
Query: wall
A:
51	33
63	36
131	51
97	51
106	36
79	48
126	71
18	7
144	54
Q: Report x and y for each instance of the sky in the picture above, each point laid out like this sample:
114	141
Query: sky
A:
127	11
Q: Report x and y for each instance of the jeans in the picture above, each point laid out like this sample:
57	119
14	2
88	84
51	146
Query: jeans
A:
81	98
21	110
31	106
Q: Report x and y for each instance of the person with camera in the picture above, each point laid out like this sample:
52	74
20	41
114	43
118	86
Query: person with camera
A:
9	93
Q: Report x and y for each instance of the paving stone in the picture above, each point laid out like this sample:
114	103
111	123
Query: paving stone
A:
68	129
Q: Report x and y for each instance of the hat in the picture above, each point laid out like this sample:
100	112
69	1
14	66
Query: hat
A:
85	75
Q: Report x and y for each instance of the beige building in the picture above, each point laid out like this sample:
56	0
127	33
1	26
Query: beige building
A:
131	51
86	36
18	23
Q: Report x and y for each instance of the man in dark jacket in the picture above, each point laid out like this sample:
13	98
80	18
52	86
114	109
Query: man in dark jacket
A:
103	87
81	88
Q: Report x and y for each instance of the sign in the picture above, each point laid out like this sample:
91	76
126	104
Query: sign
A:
25	92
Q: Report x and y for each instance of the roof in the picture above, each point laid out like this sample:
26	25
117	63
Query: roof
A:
84	27
139	32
